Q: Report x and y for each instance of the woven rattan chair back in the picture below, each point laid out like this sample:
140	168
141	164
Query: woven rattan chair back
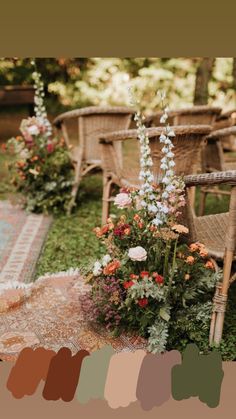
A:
188	144
91	123
196	115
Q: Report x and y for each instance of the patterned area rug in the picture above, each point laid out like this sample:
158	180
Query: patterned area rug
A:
21	239
48	313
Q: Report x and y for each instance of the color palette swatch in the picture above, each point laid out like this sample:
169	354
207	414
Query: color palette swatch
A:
118	378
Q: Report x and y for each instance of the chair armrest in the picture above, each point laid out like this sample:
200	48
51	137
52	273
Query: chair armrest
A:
220	133
92	110
118	136
215	178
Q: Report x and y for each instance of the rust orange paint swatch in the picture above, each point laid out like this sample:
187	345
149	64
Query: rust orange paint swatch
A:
31	367
63	375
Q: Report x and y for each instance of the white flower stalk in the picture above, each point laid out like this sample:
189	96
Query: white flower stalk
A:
145	175
39	107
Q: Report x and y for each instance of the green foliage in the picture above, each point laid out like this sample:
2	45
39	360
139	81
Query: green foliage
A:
42	171
80	82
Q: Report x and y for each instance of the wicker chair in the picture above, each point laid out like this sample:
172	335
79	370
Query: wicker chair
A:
218	233
202	114
89	123
188	142
225	120
214	160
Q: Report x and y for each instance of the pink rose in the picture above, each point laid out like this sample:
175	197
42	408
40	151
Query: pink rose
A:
137	253
33	130
123	200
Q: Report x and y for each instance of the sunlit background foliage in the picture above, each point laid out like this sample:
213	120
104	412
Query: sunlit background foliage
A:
78	82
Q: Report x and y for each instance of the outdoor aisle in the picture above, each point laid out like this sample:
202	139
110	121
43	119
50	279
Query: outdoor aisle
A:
48	314
21	239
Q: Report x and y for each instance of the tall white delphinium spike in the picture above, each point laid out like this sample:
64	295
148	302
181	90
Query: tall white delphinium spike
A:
145	175
39	106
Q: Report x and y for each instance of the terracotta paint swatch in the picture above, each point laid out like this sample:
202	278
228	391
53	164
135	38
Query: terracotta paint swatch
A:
30	368
93	375
122	377
154	381
63	375
199	375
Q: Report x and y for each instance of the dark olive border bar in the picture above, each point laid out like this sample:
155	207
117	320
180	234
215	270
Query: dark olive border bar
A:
167	28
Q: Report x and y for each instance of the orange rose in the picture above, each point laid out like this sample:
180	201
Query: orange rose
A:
21	164
111	267
190	260
136	217
209	265
193	247
203	253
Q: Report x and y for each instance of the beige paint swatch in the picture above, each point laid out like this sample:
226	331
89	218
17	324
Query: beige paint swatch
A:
122	377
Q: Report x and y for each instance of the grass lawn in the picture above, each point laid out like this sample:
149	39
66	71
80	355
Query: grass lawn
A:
71	243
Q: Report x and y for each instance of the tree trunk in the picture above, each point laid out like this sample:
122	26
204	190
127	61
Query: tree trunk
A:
203	75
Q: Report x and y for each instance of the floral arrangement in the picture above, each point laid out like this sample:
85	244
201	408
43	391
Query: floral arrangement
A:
42	170
150	273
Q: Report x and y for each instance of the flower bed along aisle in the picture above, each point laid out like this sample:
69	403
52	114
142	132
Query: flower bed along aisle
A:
43	171
151	282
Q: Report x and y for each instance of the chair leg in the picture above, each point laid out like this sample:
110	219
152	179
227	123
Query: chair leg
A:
192	195
75	188
202	202
106	199
220	301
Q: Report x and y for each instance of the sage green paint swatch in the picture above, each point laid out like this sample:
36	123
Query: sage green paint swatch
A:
93	375
198	376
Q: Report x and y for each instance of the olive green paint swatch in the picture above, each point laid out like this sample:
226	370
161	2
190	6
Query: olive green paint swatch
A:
93	375
198	376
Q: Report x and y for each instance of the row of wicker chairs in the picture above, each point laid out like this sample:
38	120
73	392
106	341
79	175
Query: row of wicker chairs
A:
198	149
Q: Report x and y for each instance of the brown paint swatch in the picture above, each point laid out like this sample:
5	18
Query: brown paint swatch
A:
154	381
63	375
31	367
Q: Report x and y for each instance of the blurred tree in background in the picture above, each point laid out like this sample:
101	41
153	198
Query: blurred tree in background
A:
78	82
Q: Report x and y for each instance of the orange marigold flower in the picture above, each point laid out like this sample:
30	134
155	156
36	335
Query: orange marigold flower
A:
209	265
140	224
104	229
21	164
34	158
127	231
97	231
136	217
153	228
190	260
111	268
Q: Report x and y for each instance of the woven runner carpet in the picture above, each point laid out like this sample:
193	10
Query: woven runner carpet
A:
21	239
48	313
